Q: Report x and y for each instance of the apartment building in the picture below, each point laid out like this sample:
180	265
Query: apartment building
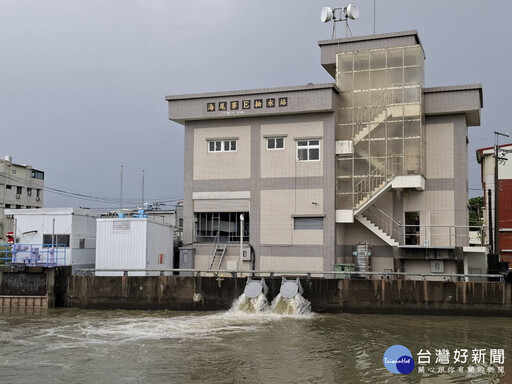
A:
485	156
370	169
21	187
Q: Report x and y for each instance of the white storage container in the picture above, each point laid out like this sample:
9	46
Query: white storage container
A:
133	243
73	228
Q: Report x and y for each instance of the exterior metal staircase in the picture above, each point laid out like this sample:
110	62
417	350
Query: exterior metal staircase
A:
367	128
374	185
382	225
375	229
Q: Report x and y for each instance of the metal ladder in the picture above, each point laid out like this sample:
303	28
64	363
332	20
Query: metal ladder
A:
219	252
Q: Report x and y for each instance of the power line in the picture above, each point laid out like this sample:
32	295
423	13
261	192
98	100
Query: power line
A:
81	196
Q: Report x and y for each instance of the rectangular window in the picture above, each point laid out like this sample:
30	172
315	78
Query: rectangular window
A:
7	205
29	191
38	193
37	174
308	150
222	146
8	186
308	223
275	143
19	190
60	240
222	227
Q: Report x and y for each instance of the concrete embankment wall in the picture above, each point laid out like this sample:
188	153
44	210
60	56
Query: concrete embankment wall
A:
32	286
325	295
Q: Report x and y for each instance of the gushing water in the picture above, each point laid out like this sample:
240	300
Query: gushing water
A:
247	305
296	306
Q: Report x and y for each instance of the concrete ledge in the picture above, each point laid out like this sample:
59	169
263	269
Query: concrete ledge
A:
344	216
409	181
325	295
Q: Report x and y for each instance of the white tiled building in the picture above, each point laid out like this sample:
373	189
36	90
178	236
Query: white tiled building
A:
370	169
21	187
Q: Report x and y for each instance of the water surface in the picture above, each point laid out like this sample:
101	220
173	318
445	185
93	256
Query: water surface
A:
87	346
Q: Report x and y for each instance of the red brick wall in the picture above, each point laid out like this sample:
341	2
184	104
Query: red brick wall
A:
505	216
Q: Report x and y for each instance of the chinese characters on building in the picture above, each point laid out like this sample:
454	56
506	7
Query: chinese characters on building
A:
235	105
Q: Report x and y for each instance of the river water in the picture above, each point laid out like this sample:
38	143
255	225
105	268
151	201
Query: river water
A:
88	346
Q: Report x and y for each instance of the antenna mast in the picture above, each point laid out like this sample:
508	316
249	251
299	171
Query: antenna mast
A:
351	11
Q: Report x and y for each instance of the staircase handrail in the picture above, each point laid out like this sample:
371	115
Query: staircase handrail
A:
367	179
384	171
373	102
385	222
376	102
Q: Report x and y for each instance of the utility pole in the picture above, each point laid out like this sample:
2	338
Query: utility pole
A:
142	200
489	210
497	160
121	195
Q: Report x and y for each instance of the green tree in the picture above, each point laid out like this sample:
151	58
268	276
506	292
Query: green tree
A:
475	211
5	254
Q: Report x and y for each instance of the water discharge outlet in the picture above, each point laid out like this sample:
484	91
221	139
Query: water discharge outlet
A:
253	288
290	288
289	302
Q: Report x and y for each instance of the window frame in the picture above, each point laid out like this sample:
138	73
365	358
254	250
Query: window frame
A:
274	139
308	147
222	145
47	240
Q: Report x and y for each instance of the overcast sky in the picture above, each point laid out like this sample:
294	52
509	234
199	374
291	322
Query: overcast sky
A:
82	82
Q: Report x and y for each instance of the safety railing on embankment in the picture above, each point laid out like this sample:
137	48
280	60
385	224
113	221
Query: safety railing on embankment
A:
307	274
33	255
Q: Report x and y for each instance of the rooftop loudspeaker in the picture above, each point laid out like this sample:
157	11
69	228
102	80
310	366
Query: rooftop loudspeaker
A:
352	11
326	14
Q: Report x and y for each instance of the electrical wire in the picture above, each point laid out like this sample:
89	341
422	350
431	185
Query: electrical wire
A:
81	196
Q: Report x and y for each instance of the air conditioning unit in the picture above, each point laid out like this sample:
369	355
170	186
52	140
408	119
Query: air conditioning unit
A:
38	198
246	253
18	196
29	192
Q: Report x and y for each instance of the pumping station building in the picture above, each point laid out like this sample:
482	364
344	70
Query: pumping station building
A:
369	170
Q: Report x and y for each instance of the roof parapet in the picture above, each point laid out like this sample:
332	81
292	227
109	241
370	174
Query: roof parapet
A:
329	48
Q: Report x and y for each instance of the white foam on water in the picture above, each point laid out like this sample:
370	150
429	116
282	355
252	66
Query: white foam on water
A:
103	328
297	306
246	305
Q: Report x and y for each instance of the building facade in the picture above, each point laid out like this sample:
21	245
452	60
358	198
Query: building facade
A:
370	169
21	187
72	230
485	156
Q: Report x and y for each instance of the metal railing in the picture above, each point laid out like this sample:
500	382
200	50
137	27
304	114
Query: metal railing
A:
33	255
421	235
385	222
375	179
224	273
438	235
380	103
370	112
